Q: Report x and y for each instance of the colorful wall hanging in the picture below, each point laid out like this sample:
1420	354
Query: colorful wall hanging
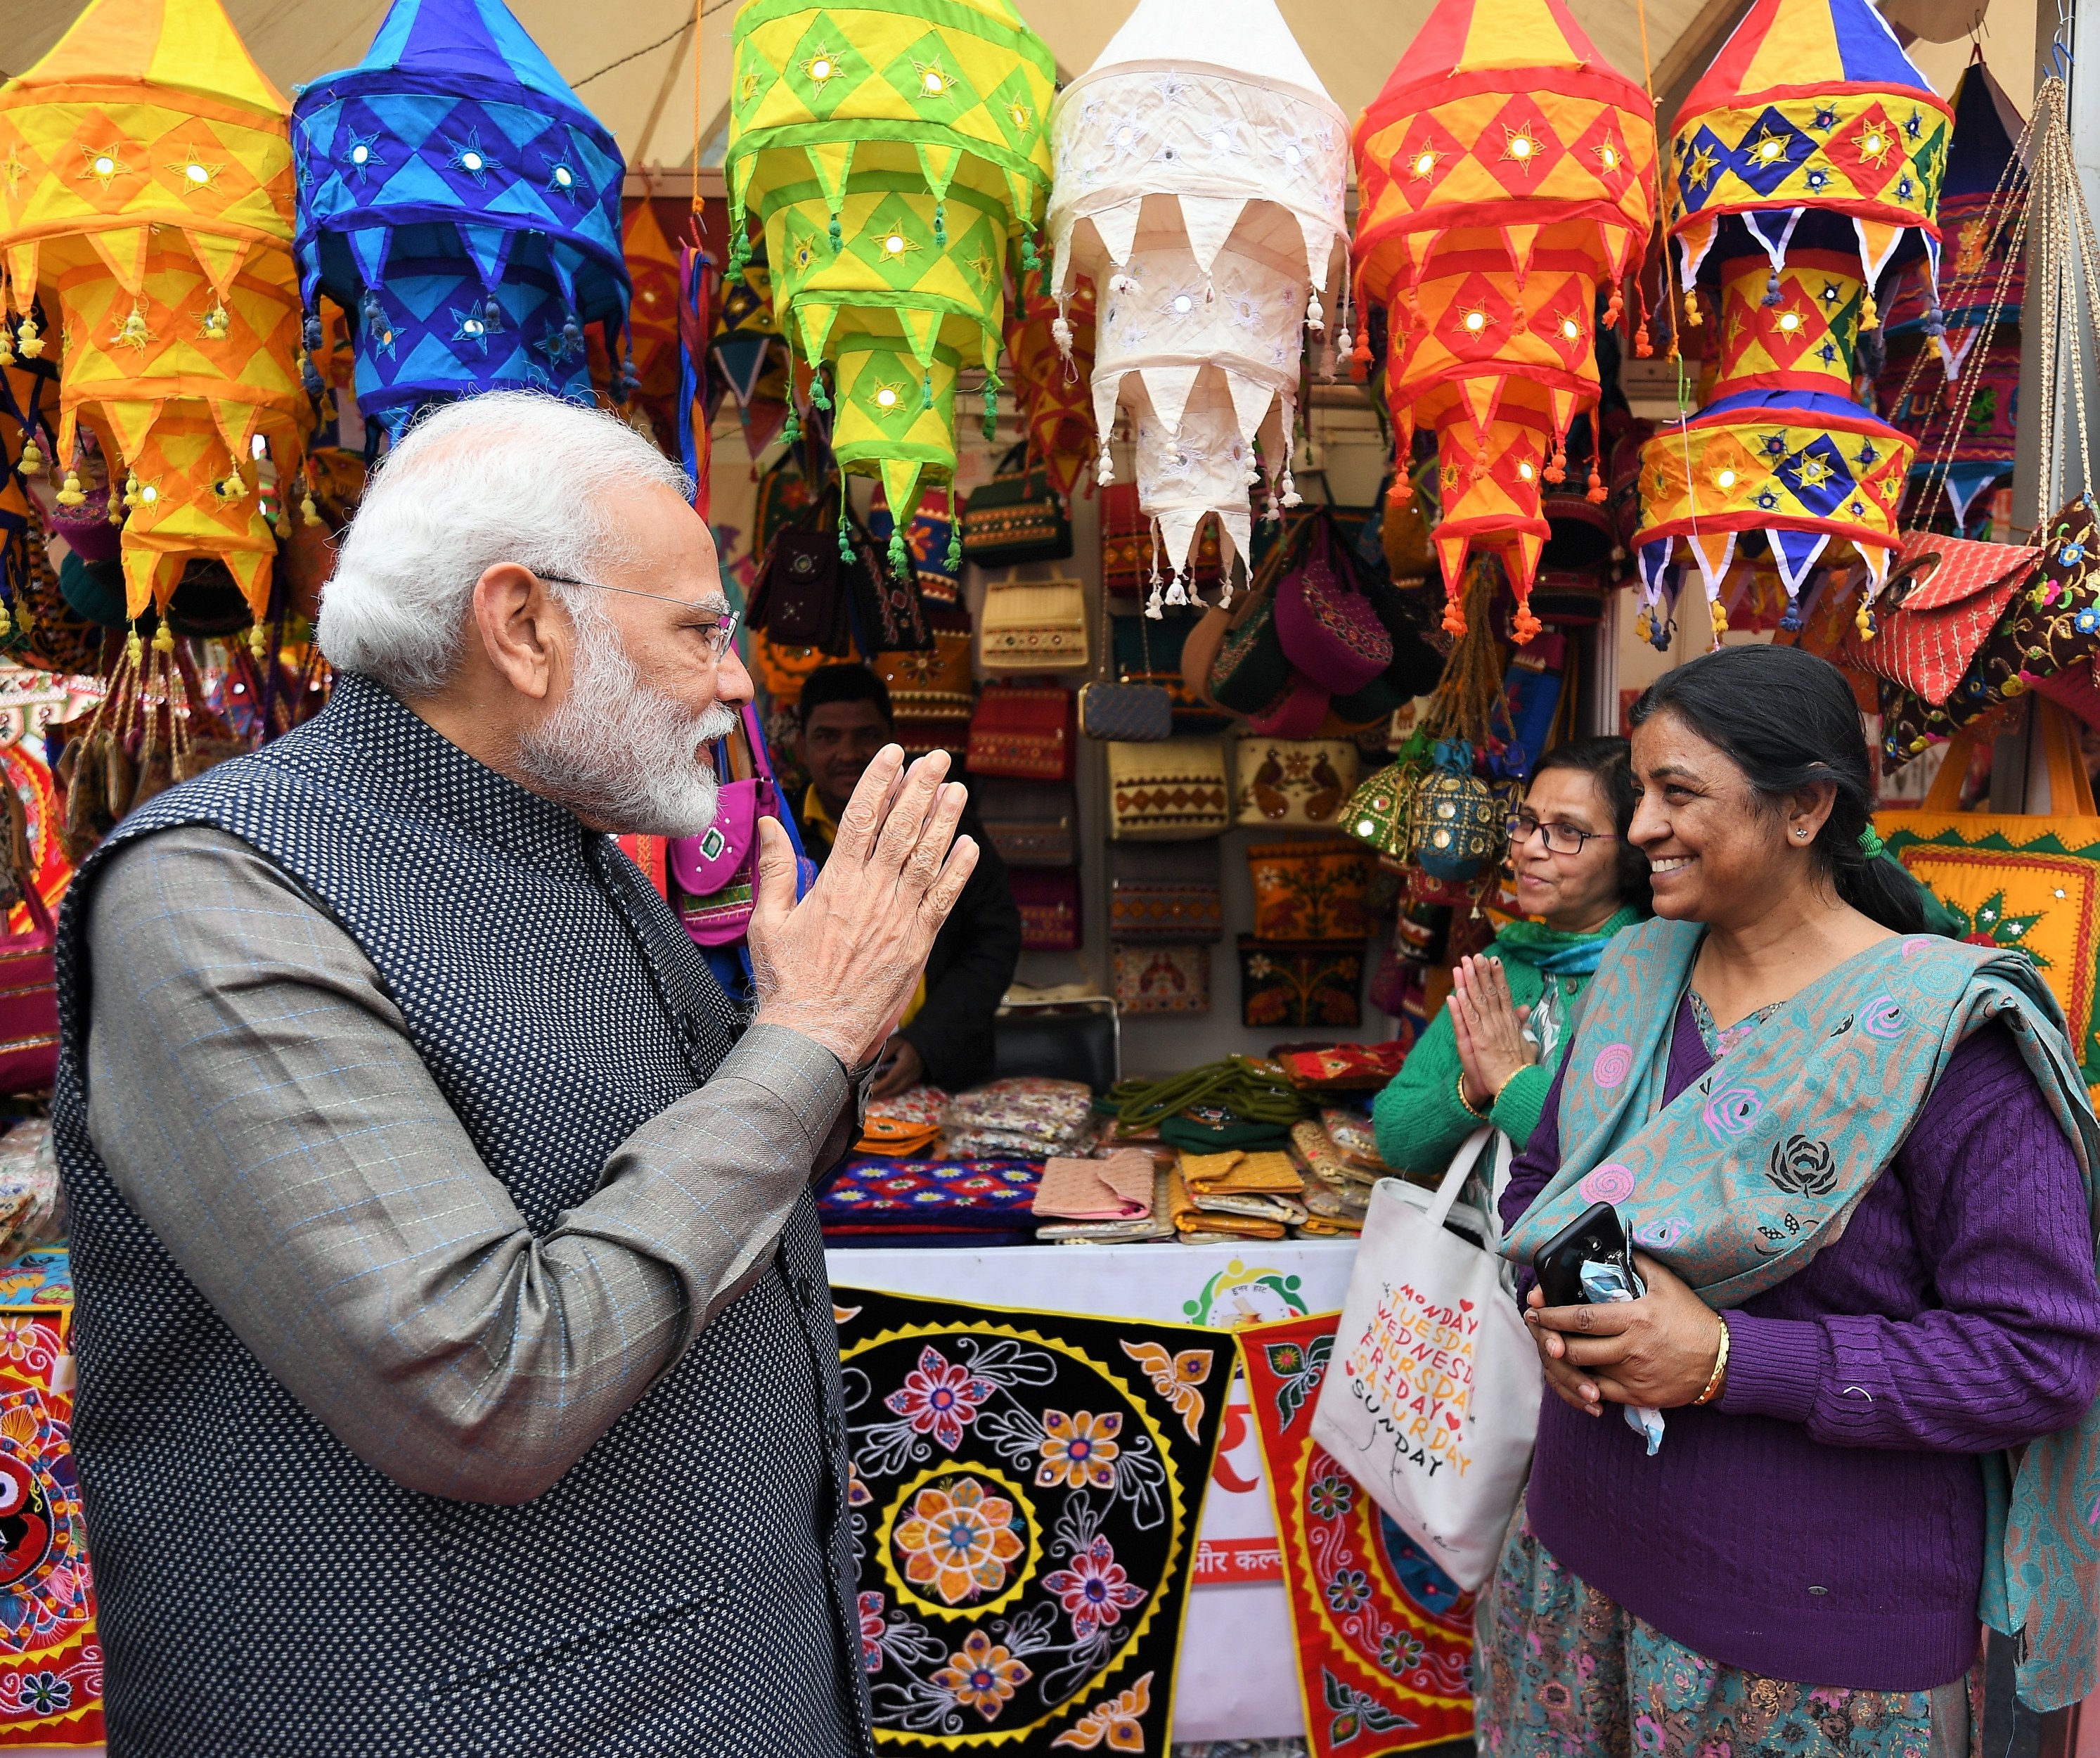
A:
458	199
1956	394
1025	1488
1804	163
1384	1636
1505	173
146	200
51	1659
1212	105
892	157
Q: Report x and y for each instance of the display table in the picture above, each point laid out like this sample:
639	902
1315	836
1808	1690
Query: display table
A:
1237	1677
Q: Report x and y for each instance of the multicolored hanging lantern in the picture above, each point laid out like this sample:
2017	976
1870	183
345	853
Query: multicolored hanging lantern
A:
1961	407
456	196
1211	105
1504	174
146	197
892	157
652	273
751	361
1804	162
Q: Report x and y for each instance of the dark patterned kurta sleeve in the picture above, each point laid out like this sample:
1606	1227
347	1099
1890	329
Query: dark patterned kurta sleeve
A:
255	1094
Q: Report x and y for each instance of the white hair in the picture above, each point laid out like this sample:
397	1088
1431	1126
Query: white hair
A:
507	476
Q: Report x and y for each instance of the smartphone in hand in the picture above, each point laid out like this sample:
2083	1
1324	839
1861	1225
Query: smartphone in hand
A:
1597	1235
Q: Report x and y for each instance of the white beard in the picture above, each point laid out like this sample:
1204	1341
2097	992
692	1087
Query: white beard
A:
617	753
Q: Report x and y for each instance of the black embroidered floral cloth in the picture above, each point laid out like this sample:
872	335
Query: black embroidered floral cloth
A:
1025	1494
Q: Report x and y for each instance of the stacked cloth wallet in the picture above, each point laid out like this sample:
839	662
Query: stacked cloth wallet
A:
869	1195
1336	1192
906	1125
1245	1196
1027	1116
1118	1187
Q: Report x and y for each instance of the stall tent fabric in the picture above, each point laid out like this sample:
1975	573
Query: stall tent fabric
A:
1805	163
895	158
1385	1638
457	199
1025	1488
1505	173
1200	181
1964	437
146	205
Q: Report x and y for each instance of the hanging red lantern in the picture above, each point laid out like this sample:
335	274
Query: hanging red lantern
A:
1506	172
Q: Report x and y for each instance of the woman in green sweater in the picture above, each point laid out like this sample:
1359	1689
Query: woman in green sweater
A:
1489	1056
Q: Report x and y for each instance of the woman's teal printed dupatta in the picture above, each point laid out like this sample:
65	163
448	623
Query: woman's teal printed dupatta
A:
1756	1166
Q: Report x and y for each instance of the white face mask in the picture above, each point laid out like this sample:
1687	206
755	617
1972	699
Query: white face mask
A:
618	754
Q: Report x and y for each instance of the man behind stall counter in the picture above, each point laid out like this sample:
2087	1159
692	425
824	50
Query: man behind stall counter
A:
946	1034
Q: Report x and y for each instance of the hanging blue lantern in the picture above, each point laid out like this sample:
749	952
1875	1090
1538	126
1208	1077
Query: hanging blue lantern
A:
461	205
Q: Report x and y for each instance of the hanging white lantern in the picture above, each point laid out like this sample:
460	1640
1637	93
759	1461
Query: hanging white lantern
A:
1202	194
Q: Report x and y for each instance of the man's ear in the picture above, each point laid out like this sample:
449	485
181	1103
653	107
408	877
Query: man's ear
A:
525	634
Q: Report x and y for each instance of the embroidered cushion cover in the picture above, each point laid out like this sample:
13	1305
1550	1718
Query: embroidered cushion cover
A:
1024	1496
1299	983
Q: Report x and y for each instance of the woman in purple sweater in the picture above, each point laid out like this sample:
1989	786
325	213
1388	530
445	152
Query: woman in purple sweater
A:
1859	1160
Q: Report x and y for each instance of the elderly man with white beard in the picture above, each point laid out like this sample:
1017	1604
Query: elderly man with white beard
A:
457	1366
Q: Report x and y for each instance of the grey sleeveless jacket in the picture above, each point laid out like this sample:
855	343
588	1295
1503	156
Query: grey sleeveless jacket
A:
687	1585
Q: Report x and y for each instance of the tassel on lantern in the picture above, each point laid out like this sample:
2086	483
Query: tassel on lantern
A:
72	494
1596	492
1556	466
27	343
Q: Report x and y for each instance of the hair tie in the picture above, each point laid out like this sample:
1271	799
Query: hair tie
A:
1871	845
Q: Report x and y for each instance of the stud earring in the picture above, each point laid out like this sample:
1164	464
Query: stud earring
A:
1800	832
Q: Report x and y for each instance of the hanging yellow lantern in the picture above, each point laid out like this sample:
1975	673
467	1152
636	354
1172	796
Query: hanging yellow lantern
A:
146	199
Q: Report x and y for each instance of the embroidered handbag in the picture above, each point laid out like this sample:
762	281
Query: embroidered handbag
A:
1033	626
1168	792
1328	629
1030	823
935	683
1310	890
1049	898
1301	711
1016	518
1459	823
1293	783
929	540
2031	881
1251	672
1380	813
1027	731
1127	546
713	876
2045	641
1162	979
1165	891
1286	984
1943	596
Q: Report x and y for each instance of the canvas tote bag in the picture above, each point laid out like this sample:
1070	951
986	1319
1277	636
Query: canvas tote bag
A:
1432	1400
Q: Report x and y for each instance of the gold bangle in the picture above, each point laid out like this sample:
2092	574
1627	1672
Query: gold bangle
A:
1470	1111
1505	1086
1720	1372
